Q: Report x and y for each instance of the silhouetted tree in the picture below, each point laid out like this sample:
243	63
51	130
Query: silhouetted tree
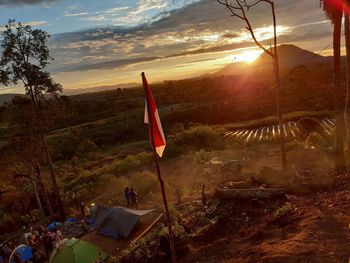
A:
239	9
24	59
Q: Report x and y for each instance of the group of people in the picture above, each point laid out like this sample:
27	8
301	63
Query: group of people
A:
41	240
131	197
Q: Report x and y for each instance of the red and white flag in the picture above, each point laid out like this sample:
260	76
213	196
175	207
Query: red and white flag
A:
153	120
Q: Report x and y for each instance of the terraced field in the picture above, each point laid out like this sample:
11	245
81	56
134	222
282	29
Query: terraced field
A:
291	129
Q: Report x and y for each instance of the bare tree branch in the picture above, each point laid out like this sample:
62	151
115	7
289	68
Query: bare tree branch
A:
238	10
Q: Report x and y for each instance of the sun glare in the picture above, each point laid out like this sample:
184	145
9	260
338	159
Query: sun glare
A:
248	56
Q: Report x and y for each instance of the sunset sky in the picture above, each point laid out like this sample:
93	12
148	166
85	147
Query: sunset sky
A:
107	42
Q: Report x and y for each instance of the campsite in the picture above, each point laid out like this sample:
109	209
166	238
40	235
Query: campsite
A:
174	131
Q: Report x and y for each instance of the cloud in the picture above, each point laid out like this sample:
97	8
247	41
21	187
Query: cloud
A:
106	65
76	14
35	23
198	28
146	5
95	18
116	10
25	2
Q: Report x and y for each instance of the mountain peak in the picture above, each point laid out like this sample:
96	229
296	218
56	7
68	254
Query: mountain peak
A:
290	56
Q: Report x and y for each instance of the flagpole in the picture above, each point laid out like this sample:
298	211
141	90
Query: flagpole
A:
160	179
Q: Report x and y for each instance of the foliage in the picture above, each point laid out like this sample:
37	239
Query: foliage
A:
25	57
63	147
131	162
154	244
86	182
195	138
145	183
283	210
6	222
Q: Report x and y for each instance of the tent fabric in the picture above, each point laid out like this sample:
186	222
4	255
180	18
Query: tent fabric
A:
116	221
24	252
54	225
71	220
77	251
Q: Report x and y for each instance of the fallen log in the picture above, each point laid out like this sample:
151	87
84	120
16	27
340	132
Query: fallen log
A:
263	193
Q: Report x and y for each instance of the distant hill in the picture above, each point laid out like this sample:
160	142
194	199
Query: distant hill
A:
290	56
7	97
69	92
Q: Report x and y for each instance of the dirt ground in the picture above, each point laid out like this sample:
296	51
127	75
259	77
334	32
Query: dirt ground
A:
315	231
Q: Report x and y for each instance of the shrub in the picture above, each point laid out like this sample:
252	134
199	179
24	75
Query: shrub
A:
131	162
86	182
63	146
145	183
283	210
7	224
195	138
153	245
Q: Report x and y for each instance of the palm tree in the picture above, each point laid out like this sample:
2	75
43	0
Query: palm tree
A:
335	14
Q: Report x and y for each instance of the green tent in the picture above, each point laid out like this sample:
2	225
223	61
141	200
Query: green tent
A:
77	251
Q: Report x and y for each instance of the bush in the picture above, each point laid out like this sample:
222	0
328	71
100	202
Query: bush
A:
146	184
62	147
7	223
153	245
283	210
131	162
195	138
86	182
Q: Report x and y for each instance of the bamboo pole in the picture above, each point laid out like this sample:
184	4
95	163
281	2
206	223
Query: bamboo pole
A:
160	179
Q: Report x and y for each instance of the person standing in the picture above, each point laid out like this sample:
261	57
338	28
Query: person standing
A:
133	198
57	237
47	245
82	209
127	196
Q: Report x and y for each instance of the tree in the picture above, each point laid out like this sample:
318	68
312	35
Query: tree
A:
335	14
24	147
239	9
24	59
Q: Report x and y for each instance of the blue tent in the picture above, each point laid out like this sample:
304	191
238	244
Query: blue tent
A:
54	225
116	221
71	220
24	252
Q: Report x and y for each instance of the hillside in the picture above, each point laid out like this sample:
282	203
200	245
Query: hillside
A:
69	92
7	97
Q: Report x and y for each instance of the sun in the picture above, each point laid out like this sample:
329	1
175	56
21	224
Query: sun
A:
250	56
247	56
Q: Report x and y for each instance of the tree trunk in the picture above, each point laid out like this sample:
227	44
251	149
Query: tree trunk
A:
278	93
339	102
347	43
42	187
47	155
38	201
